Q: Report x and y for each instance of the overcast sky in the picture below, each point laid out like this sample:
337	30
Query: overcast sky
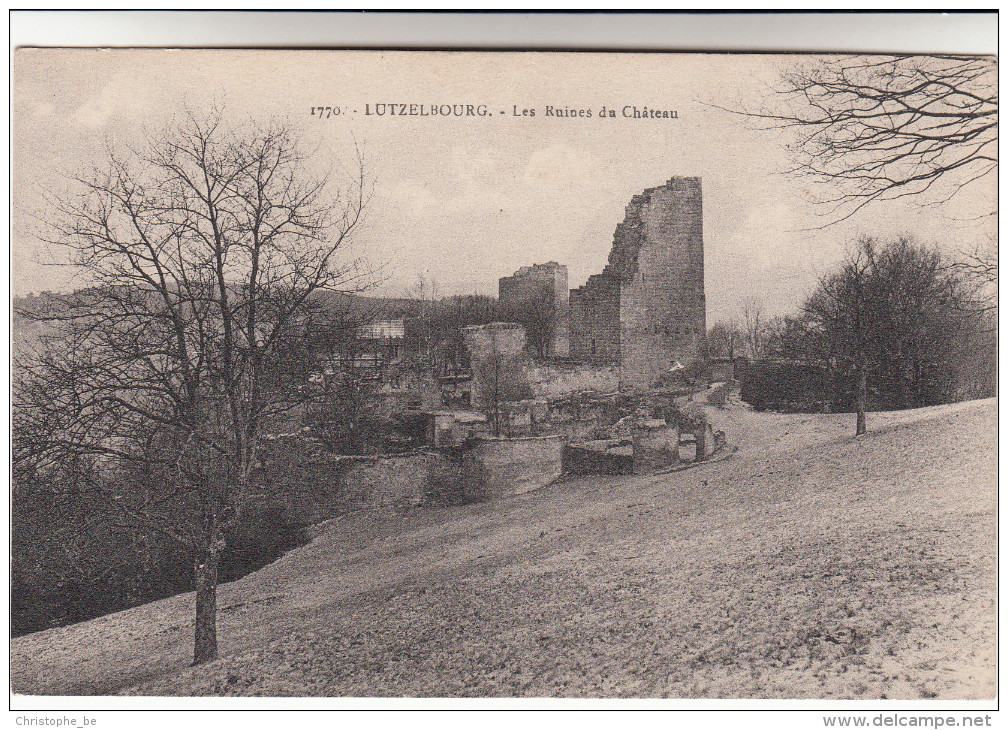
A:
467	200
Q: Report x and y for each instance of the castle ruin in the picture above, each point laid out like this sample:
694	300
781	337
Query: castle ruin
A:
646	310
640	324
541	291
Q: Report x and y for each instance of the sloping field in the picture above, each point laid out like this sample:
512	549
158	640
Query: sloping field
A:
808	565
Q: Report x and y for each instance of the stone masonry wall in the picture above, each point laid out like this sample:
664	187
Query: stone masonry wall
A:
646	310
557	381
546	282
312	486
505	467
499	362
595	330
662	305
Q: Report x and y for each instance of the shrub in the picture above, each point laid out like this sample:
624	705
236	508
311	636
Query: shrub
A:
796	387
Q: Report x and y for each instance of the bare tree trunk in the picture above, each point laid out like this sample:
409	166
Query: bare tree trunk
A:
862	398
496	392
205	648
834	375
917	391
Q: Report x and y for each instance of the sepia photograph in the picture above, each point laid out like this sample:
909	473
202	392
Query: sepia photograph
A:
503	374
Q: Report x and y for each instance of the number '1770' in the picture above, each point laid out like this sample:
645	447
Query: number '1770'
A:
326	112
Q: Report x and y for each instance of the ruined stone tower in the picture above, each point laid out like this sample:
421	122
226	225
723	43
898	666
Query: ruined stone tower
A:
646	310
541	290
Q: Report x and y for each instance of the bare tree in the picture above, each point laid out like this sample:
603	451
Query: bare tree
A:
841	309
499	368
893	314
200	249
724	339
755	328
979	269
536	311
871	128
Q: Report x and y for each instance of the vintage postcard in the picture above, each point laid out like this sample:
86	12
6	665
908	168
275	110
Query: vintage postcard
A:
439	374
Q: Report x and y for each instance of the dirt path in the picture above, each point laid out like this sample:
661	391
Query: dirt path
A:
807	566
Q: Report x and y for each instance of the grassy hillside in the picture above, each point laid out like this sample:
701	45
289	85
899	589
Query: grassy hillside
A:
809	565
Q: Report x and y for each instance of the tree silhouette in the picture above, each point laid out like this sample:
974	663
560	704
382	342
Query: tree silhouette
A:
200	249
872	128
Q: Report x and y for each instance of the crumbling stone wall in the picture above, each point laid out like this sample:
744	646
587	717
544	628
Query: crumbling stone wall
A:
647	309
504	467
499	362
311	485
655	446
545	286
595	329
557	381
662	307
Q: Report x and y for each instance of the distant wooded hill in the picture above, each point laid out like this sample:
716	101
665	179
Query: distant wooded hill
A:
24	329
